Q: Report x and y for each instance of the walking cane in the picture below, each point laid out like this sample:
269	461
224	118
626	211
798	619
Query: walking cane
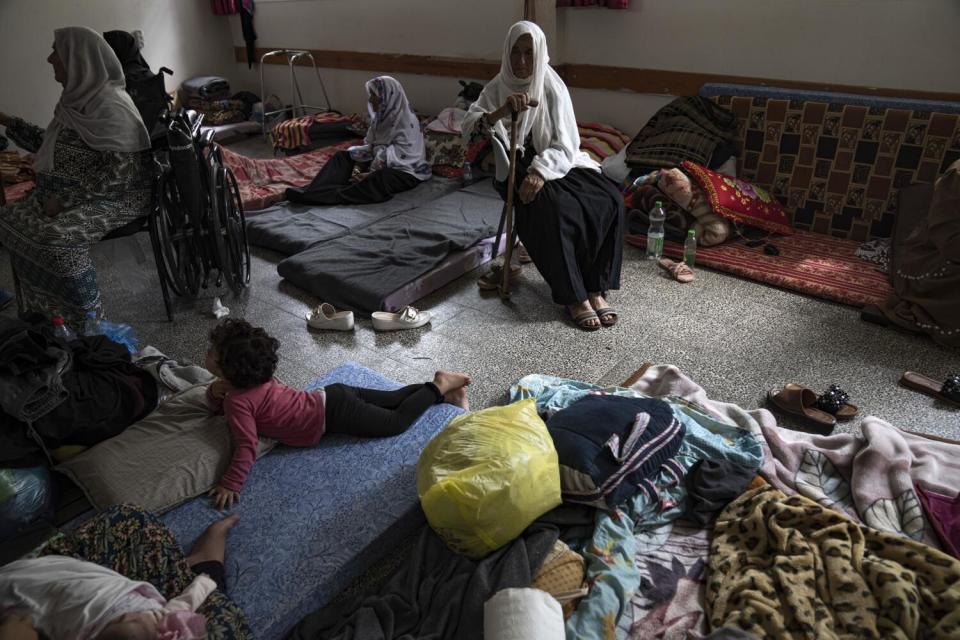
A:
511	179
508	214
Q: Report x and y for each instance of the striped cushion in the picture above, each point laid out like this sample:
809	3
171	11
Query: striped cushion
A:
601	140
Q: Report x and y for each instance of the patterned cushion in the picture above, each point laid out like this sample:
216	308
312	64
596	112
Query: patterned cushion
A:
601	140
838	167
739	201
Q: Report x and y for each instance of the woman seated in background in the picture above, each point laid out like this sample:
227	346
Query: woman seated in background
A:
121	575
926	273
93	175
568	215
393	148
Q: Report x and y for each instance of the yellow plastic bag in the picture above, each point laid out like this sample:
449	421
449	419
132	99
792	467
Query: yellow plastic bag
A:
487	476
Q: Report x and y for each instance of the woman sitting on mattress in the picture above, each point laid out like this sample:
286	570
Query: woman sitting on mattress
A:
393	149
568	215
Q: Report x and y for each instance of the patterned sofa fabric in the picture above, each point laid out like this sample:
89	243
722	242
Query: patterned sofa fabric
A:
837	161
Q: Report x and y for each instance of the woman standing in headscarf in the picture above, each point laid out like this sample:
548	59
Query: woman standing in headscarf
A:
393	148
568	215
93	175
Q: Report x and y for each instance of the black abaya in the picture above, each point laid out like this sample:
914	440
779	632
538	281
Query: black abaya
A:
332	184
573	231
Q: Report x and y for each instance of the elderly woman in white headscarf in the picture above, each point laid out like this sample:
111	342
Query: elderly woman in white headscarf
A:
393	148
568	215
93	175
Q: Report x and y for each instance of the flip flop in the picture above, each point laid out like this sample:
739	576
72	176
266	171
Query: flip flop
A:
836	402
607	312
327	318
407	318
799	401
948	391
581	320
492	279
679	270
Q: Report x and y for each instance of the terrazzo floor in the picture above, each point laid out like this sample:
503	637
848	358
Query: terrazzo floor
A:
736	338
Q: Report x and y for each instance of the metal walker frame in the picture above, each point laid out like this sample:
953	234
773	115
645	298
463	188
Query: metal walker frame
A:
296	97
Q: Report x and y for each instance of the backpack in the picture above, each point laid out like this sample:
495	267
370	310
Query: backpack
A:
611	447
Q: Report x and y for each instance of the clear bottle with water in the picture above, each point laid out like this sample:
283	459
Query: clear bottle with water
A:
656	232
91	326
467	173
62	331
690	248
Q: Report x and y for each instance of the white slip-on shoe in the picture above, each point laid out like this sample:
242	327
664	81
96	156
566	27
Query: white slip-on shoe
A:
406	318
327	318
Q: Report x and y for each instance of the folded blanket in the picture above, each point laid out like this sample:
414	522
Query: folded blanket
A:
206	87
787	567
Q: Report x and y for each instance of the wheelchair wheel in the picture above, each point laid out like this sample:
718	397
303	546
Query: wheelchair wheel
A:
228	227
176	241
238	249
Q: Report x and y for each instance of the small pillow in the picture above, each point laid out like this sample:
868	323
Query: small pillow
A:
740	201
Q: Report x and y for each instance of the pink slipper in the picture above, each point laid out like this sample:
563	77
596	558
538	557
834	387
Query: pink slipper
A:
679	270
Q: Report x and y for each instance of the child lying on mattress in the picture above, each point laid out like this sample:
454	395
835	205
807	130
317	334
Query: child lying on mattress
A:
244	358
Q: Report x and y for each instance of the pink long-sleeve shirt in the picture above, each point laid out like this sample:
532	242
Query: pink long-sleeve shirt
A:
273	410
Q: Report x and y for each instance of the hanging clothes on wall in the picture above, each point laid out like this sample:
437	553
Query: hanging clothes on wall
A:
609	4
245	9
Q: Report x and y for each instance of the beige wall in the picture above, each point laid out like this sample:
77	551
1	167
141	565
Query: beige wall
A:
890	43
898	44
183	35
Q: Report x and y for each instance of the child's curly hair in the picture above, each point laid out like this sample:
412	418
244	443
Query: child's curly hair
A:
246	354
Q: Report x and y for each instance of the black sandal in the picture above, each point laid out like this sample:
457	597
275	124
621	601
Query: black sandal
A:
607	312
582	319
836	402
949	391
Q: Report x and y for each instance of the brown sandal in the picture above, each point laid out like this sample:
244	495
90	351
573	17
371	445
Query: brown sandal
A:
492	280
679	270
523	255
947	391
799	401
582	319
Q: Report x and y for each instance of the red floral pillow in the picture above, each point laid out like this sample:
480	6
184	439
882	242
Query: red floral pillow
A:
740	201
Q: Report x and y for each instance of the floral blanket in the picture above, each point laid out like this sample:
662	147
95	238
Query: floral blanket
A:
869	477
264	181
628	555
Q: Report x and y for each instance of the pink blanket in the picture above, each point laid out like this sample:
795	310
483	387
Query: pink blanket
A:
870	476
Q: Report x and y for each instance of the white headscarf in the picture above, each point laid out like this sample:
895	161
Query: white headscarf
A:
394	136
552	124
94	102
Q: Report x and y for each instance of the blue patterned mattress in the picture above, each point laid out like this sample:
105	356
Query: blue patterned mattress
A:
312	520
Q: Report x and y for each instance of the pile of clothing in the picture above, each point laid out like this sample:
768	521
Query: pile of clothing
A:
210	95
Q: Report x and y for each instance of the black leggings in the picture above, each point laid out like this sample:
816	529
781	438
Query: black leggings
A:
332	184
213	569
370	413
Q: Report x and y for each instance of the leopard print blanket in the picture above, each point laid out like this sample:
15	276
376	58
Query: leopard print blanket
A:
786	567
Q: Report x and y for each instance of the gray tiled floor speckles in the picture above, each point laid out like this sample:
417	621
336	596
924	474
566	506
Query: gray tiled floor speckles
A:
737	338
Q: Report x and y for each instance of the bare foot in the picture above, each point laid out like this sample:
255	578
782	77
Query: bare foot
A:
212	543
448	381
584	307
597	300
458	398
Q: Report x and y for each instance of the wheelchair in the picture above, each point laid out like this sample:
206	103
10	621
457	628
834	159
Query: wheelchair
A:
197	225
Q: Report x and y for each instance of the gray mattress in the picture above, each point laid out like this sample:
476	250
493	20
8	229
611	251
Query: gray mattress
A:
360	268
290	228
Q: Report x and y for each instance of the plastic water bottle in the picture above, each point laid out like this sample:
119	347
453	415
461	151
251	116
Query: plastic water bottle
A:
690	248
467	173
91	326
119	333
62	331
655	232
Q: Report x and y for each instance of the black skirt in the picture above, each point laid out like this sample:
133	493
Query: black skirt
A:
573	231
332	184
